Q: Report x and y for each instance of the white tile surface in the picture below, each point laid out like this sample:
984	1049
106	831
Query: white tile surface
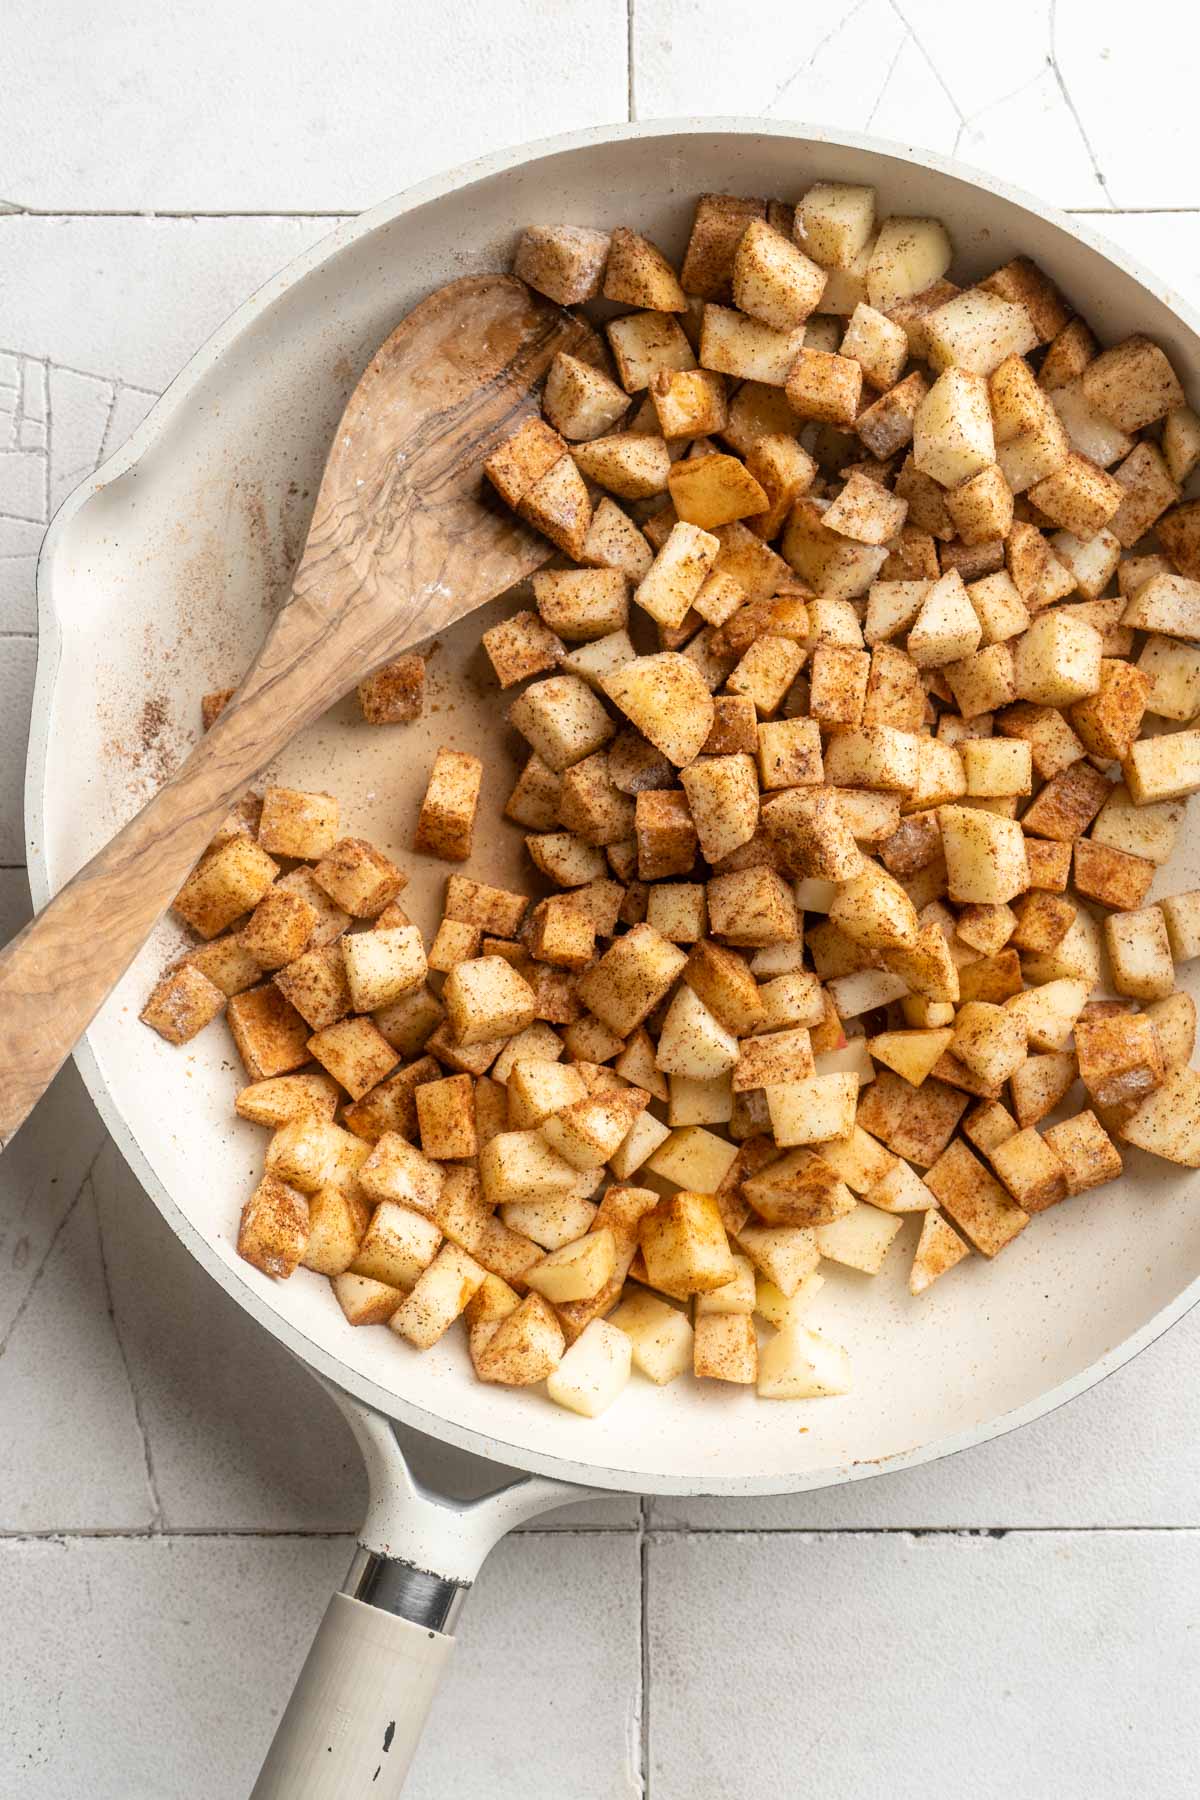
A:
843	1667
152	1668
281	107
128	300
911	70
1044	103
136	1399
544	1691
155	1668
1107	60
62	1374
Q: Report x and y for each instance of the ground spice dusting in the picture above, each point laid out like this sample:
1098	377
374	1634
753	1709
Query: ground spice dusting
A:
152	754
153	722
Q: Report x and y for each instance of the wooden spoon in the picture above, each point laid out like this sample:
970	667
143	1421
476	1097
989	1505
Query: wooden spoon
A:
405	538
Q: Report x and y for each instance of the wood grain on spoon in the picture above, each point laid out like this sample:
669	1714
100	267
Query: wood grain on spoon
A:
404	540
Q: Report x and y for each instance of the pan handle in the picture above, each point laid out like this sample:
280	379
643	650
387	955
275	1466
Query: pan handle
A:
353	1723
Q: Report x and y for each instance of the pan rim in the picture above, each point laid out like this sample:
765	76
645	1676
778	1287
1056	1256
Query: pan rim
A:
50	642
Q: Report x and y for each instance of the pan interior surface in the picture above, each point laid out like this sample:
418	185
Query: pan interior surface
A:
157	586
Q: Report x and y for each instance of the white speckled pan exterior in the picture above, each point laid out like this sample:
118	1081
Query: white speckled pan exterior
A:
155	583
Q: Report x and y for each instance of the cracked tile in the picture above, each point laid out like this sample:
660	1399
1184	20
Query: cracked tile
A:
905	69
130	406
92	416
975	81
241	1435
1108	59
71	1450
184	125
129	300
80	408
1027	136
86	363
825	63
868	37
913	89
845	1667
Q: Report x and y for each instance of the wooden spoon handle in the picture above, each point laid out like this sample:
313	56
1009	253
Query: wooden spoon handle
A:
56	974
401	543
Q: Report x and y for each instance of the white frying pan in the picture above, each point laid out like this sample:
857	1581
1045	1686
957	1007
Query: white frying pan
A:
154	586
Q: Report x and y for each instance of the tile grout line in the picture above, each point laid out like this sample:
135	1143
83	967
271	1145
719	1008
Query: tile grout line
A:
630	46
138	1533
1136	212
68	1214
643	1711
929	63
48	451
995	1532
643	1539
886	83
810	61
64	368
114	398
135	1396
1069	103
